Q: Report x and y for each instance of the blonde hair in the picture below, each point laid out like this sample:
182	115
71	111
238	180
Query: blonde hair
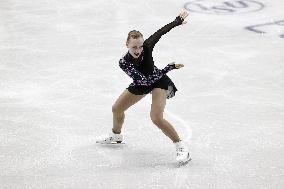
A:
134	34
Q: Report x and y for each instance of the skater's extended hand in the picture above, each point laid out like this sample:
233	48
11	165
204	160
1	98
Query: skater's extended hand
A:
178	66
183	14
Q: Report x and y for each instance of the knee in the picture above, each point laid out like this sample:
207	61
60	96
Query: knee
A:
116	109
156	118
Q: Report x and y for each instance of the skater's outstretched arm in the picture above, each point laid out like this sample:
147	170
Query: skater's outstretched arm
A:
171	66
141	79
153	39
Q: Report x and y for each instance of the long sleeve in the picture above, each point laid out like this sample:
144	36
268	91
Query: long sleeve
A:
153	39
168	68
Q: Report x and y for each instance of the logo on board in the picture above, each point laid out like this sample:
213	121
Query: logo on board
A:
223	6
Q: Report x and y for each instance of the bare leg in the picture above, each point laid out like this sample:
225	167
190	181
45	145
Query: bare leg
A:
157	108
124	101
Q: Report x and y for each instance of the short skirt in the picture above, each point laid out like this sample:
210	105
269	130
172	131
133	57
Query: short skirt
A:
164	83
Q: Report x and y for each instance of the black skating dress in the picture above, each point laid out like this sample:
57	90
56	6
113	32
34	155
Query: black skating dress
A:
146	76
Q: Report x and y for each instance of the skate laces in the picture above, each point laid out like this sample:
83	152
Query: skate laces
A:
105	137
181	151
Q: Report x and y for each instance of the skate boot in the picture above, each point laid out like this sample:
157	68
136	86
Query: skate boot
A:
183	156
111	138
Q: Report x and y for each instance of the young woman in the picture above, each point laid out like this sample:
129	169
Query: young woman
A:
139	65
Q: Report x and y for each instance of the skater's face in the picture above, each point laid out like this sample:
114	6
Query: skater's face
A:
135	46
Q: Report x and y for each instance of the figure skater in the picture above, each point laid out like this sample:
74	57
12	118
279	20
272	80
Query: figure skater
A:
139	65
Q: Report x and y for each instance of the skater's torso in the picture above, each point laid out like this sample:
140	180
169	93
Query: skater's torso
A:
144	63
142	69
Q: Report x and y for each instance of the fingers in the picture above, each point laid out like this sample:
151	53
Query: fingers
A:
179	66
184	13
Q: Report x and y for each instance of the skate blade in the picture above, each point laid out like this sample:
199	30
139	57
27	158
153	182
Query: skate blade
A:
112	143
117	143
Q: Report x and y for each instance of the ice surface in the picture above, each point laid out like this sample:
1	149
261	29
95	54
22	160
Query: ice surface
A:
59	77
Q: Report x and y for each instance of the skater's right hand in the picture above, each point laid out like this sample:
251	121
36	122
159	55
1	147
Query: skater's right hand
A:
183	14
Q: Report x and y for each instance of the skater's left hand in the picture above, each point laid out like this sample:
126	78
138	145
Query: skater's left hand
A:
178	66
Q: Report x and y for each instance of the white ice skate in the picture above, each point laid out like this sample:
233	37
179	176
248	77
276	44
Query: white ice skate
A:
111	138
183	156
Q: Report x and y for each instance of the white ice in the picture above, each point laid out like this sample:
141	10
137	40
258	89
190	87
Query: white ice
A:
59	77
